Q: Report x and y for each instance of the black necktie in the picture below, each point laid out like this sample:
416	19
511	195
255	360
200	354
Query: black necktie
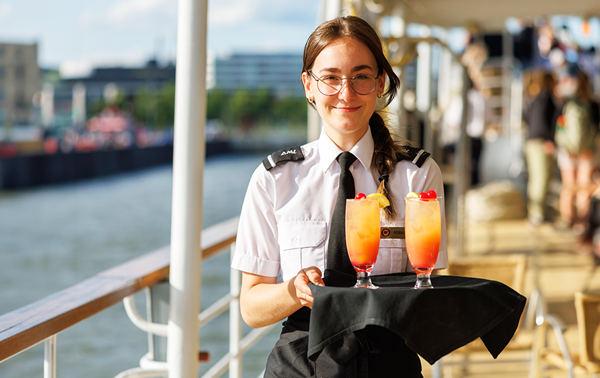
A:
337	253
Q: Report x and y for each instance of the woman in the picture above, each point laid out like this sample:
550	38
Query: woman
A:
285	221
575	138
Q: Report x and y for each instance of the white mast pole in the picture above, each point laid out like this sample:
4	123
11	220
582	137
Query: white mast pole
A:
188	169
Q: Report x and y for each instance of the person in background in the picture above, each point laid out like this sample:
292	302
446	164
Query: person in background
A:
540	117
285	223
575	136
477	116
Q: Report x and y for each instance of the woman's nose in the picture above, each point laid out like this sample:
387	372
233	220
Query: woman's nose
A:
346	90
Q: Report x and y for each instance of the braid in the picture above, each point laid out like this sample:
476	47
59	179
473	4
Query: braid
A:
385	157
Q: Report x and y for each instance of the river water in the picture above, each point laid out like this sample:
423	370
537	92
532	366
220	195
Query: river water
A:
54	237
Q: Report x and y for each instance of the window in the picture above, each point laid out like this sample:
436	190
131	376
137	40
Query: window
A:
20	72
20	102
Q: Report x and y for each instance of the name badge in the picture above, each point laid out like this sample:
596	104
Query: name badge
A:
392	232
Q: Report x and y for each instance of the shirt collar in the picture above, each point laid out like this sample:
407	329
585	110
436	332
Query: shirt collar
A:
363	150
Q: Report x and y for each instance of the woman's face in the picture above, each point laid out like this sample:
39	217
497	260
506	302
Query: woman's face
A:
346	114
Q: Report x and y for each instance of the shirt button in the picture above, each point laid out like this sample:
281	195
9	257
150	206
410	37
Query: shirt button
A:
295	240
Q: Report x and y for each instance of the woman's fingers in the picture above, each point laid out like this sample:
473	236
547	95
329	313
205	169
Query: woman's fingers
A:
304	276
314	275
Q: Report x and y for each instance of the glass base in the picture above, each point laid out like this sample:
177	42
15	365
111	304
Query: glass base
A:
363	281
423	281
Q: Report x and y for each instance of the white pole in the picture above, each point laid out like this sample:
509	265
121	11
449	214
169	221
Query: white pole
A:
236	331
398	30
188	168
50	357
333	9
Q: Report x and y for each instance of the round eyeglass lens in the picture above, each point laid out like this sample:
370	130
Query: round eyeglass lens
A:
361	84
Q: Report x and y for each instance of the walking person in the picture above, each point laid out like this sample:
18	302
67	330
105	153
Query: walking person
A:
576	131
286	239
540	117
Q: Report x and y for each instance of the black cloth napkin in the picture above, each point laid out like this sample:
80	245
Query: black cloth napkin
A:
432	322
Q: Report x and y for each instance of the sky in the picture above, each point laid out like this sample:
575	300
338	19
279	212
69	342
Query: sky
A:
77	35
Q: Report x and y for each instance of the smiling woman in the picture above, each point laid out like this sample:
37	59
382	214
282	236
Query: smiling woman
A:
286	226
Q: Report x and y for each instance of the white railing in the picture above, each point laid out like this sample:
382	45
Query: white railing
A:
238	345
43	320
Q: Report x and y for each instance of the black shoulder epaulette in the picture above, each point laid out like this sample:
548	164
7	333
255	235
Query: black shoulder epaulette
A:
415	154
286	154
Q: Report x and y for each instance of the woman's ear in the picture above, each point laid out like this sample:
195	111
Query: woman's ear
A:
308	85
381	86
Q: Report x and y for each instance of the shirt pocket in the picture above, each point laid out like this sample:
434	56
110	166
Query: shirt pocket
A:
391	258
302	245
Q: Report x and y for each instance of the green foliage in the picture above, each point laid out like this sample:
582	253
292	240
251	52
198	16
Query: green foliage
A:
97	107
292	109
155	109
217	102
243	107
247	108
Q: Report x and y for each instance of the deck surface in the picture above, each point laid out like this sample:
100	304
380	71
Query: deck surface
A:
555	265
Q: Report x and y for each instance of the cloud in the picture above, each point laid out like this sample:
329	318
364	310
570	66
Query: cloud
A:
133	14
230	13
131	10
5	10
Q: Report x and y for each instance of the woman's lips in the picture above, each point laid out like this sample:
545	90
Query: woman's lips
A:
347	108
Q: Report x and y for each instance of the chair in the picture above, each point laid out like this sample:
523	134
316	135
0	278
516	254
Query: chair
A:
587	308
510	270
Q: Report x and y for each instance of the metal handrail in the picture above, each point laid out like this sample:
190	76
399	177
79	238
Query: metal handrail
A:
42	321
238	347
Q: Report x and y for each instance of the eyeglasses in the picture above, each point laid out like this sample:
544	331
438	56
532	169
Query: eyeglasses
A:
330	85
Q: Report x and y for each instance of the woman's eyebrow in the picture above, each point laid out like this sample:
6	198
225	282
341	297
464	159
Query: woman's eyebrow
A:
354	69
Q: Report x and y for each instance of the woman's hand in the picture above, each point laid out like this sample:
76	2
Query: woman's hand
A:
264	301
300	282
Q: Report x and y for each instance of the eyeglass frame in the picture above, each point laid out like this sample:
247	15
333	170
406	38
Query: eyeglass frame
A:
341	86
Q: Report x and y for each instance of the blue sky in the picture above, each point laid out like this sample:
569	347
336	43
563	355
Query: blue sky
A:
75	35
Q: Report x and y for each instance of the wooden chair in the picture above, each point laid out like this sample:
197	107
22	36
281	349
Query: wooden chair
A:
587	308
510	270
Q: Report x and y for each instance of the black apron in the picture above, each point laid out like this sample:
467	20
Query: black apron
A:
373	352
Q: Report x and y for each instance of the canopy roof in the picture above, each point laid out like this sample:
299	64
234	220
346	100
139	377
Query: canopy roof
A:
489	15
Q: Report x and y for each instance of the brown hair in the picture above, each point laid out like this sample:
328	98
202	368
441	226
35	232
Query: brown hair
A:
583	86
386	152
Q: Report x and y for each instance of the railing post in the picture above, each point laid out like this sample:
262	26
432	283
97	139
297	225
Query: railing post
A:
157	307
235	321
50	357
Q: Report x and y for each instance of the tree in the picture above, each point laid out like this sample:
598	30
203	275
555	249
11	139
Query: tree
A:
155	108
291	109
217	101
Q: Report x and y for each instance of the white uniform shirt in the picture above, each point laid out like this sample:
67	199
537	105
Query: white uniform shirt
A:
285	219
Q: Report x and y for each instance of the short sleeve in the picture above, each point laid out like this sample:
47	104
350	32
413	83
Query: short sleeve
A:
257	249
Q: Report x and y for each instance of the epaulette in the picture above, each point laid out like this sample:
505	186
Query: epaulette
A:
286	154
415	154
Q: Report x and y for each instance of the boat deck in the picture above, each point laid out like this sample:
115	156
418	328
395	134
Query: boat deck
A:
555	267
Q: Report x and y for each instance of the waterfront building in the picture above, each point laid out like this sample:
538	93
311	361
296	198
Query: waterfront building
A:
277	72
72	97
20	80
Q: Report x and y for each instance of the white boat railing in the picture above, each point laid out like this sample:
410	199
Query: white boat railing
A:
43	320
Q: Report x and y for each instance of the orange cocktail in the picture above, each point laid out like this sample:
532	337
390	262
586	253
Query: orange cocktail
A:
362	237
423	229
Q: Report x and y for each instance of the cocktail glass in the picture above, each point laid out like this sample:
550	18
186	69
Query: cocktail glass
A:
423	228
362	238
